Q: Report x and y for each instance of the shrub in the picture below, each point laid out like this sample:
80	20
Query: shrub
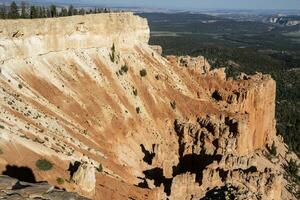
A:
273	149
1	151
60	181
124	68
112	55
143	72
292	168
44	164
138	110
20	86
2	127
135	92
100	168
173	105
157	77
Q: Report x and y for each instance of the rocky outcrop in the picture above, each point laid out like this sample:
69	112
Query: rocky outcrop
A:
207	163
157	49
197	64
250	99
119	121
84	177
11	188
27	38
284	20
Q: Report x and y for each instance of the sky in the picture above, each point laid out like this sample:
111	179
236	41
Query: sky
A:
198	4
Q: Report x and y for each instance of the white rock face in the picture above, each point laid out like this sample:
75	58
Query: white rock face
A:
26	38
85	178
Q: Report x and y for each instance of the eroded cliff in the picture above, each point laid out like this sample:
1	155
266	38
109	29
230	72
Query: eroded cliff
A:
119	121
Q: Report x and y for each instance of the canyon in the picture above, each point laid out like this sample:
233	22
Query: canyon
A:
117	120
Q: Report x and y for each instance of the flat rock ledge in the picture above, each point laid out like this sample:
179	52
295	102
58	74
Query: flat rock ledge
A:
13	189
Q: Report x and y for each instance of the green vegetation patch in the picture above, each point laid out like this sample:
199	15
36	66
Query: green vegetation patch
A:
100	168
135	92
60	181
143	73
124	68
112	55
44	164
173	105
138	110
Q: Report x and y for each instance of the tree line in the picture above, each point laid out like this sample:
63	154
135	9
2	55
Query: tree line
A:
26	11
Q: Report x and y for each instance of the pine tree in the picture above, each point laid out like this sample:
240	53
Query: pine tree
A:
273	149
81	11
33	12
75	11
71	10
39	12
24	13
48	13
53	11
64	12
14	13
44	14
2	11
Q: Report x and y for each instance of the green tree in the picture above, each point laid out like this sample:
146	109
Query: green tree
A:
2	11
48	12
24	13
14	13
39	12
53	11
43	12
273	149
292	168
75	11
81	11
64	12
112	54
33	12
71	10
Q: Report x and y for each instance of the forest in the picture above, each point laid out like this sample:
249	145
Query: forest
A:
240	46
27	11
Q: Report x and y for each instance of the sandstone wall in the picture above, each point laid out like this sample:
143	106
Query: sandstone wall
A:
258	104
25	38
178	128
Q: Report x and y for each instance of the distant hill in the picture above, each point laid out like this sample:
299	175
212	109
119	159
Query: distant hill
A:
285	20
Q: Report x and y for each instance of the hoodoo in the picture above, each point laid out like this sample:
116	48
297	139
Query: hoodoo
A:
88	98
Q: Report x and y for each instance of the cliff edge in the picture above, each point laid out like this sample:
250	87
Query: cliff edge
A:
27	38
87	105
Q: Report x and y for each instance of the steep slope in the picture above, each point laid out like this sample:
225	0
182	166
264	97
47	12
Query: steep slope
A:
118	121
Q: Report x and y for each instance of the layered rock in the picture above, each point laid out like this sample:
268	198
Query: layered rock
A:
85	178
88	91
26	38
12	188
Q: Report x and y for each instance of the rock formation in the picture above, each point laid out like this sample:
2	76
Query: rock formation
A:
11	188
119	121
84	177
